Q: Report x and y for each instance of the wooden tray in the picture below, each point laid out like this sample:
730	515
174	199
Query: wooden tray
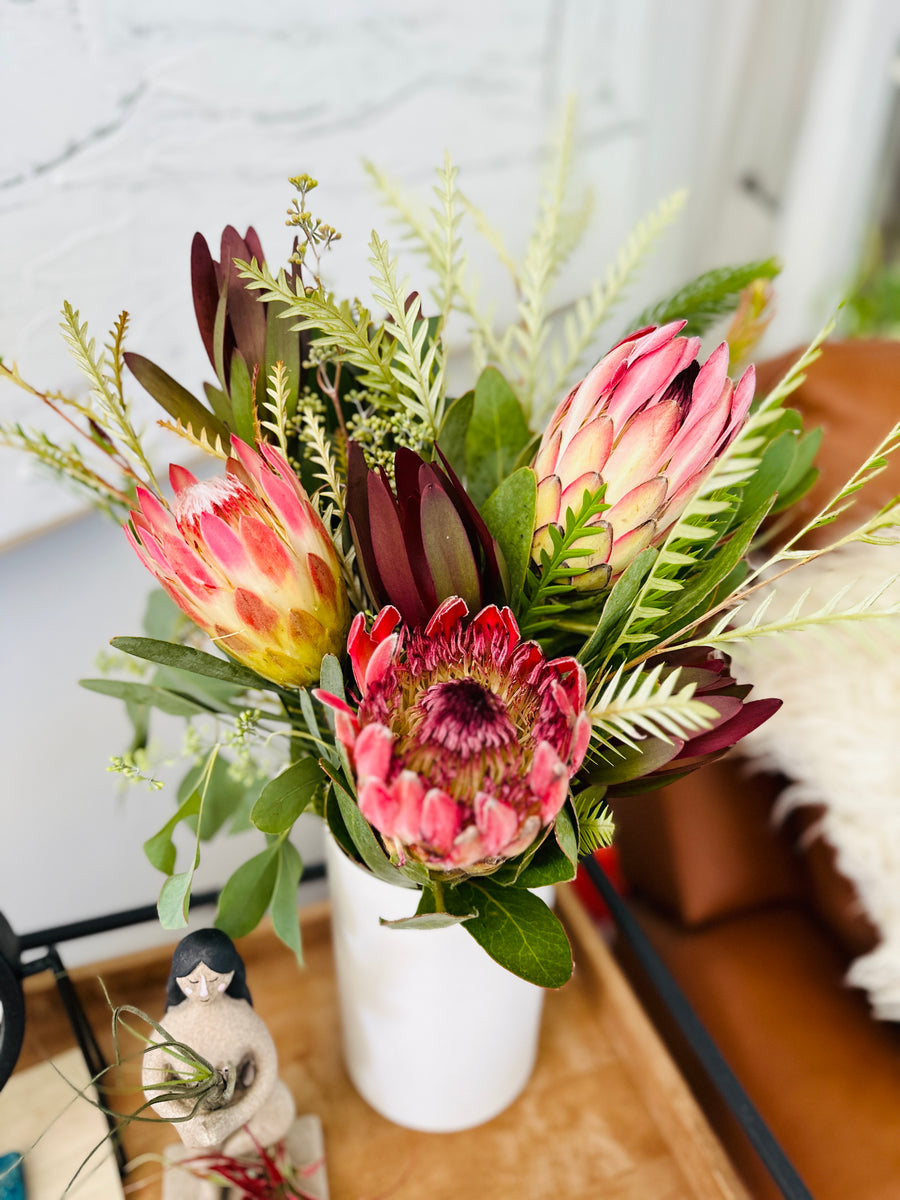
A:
606	1113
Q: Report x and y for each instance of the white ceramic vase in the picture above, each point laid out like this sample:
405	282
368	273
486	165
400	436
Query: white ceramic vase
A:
437	1037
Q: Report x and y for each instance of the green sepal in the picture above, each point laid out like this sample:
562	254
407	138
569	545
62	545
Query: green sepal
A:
286	796
496	434
517	929
509	515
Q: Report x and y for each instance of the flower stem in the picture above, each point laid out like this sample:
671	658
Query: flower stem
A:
439	905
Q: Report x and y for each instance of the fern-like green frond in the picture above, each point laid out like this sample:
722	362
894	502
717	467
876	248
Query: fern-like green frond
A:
276	403
418	362
448	265
201	440
595	822
638	704
710	296
345	331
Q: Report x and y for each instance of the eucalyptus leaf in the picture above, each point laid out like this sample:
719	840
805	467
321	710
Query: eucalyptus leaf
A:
286	796
174	899
518	931
285	914
497	433
225	798
331	677
247	894
186	658
144	693
160	849
509	515
426	920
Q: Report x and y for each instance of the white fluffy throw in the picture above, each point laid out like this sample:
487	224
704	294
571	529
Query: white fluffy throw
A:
838	737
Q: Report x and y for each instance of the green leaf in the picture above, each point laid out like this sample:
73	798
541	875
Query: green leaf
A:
285	915
618	606
632	762
225	798
175	399
160	849
331	677
452	436
241	388
802	474
282	346
286	796
566	834
145	693
518	931
549	865
219	403
509	515
447	549
197	662
496	434
427	917
773	469
162	617
174	899
247	894
710	296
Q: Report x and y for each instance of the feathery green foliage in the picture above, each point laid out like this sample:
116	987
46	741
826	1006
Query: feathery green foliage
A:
638	704
709	297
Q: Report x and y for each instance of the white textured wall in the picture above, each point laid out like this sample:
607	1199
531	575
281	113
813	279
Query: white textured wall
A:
126	127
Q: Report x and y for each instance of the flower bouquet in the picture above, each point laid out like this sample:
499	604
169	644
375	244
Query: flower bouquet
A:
472	623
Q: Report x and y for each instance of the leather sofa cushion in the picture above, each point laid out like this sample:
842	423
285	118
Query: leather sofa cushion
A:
704	847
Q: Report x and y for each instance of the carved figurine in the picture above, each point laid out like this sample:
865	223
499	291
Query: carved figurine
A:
209	1009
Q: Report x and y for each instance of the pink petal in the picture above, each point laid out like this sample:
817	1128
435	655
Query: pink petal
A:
378	806
361	644
409	792
581	737
322	578
255	612
591	392
641	449
554	798
629	546
180	478
447	616
547	455
497	823
637	506
266	549
380	660
545	768
224	546
588	450
574	495
648	375
652	337
373	752
547	505
154	512
441	820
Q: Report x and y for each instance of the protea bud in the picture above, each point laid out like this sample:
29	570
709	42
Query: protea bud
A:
659	762
247	558
423	544
649	424
466	737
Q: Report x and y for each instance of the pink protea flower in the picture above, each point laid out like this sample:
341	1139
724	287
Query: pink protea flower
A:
648	422
247	558
465	738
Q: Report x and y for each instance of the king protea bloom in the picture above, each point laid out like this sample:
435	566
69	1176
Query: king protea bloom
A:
247	558
649	423
465	738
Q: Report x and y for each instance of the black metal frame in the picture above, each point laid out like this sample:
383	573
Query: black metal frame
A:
702	1045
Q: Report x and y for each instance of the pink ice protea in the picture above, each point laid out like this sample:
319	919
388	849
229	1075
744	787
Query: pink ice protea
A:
466	737
248	559
648	422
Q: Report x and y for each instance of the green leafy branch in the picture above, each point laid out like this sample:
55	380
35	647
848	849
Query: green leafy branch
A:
709	297
640	704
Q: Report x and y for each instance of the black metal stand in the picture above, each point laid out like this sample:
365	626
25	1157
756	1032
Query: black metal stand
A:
702	1046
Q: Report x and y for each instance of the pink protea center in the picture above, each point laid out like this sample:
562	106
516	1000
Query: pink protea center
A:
465	738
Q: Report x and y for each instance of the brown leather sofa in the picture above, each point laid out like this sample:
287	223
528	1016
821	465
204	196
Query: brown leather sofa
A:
753	920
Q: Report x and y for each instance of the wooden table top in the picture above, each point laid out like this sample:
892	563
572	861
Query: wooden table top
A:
606	1113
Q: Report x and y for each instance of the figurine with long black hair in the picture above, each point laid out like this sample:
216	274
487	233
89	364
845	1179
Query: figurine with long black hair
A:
208	1007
